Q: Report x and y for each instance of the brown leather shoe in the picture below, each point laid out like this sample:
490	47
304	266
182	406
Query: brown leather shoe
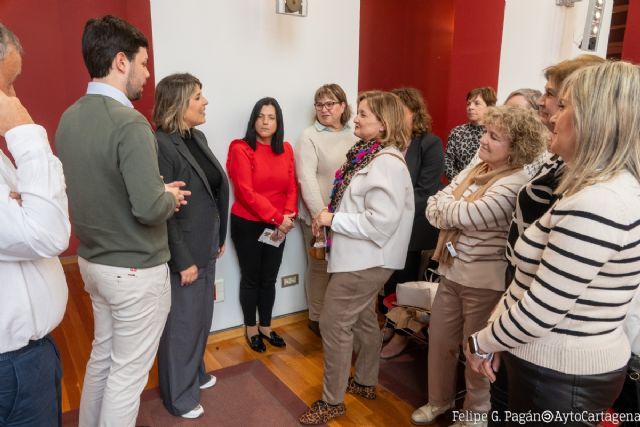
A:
366	391
321	412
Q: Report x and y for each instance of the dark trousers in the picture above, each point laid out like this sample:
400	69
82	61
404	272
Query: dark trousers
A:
30	392
499	391
259	265
181	368
538	389
629	400
410	273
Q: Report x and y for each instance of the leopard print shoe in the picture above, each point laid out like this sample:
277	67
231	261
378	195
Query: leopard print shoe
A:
366	391
321	412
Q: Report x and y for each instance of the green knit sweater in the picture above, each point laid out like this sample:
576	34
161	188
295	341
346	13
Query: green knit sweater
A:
118	203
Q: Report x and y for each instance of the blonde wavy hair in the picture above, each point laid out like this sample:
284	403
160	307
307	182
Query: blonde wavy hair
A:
524	129
388	109
606	116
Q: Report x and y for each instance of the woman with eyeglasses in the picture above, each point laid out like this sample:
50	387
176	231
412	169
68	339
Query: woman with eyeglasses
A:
320	151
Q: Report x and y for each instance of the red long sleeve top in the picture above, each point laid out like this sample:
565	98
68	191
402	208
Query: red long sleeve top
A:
264	183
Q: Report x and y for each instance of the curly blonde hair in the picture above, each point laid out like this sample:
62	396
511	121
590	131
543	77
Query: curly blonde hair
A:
524	129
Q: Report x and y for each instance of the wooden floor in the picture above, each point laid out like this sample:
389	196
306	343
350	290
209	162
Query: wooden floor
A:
299	366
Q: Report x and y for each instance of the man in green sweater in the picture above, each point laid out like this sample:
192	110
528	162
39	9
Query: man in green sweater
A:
119	207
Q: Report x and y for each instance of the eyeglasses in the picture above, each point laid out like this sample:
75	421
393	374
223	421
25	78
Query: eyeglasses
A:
319	105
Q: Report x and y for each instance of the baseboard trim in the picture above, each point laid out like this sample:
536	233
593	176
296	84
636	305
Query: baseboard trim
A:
238	331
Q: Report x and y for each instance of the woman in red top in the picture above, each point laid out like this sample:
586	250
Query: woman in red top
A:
261	169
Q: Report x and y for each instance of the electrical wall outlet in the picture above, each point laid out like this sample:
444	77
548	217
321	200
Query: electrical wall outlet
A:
219	284
292	279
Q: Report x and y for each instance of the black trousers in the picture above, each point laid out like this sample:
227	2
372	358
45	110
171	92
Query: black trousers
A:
499	390
259	265
629	400
410	273
538	389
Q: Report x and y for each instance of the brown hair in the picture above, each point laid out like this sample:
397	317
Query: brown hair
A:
387	108
560	71
172	100
487	93
412	99
524	129
333	90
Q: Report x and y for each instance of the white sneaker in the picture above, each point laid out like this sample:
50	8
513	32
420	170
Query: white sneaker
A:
212	381
428	413
196	412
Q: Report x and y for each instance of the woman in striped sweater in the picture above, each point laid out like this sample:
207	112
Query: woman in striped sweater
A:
559	325
473	214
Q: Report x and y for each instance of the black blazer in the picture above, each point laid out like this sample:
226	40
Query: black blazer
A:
425	160
199	228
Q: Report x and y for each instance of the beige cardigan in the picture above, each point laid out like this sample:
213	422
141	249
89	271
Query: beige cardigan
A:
318	154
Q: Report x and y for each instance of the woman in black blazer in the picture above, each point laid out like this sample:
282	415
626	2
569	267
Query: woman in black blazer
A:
196	239
425	160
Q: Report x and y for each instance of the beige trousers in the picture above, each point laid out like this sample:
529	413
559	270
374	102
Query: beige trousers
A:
458	311
130	307
349	323
316	278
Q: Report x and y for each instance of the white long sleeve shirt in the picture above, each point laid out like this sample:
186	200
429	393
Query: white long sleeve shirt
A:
33	290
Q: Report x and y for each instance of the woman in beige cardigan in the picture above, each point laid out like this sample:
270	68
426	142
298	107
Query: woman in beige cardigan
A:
320	151
473	215
369	219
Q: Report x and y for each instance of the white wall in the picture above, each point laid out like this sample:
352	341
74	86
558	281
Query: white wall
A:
536	34
242	51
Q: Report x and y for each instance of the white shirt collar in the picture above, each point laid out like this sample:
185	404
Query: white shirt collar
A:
104	89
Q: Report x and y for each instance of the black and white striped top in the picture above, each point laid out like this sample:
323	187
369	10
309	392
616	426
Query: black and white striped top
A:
577	270
534	199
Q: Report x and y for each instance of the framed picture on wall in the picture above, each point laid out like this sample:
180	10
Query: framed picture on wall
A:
292	7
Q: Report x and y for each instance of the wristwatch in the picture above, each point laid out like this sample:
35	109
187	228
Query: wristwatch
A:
474	348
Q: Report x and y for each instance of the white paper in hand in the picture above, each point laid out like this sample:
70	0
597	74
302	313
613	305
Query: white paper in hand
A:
265	237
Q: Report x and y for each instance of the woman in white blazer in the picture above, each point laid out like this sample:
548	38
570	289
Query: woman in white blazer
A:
368	222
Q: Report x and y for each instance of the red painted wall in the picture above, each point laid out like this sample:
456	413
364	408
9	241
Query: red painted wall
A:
477	39
443	48
53	73
631	43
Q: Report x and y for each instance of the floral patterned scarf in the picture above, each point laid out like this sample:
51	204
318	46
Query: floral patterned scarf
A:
358	156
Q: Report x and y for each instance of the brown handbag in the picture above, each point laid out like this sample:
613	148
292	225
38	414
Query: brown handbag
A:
317	252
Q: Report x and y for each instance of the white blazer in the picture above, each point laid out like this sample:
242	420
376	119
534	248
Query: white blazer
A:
372	225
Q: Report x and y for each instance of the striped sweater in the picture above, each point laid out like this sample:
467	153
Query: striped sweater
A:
480	262
577	269
534	199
